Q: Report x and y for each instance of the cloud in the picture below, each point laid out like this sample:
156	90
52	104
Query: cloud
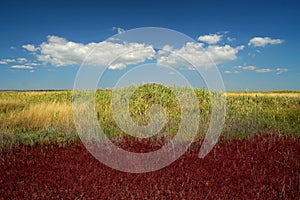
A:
138	53
198	55
12	48
6	61
31	71
60	52
263	70
119	30
9	60
229	39
281	70
250	67
258	70
30	47
21	67
21	60
263	41
210	39
33	64
232	72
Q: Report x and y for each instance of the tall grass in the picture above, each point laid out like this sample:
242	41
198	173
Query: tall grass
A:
30	117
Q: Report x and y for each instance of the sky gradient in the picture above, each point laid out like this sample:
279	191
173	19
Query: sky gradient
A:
255	44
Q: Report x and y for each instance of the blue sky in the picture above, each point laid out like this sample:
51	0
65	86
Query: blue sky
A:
262	38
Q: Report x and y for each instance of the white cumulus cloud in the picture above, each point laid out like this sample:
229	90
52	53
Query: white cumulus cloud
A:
255	69
21	67
263	41
249	67
6	61
30	47
33	64
61	52
21	60
198	55
231	72
263	70
210	39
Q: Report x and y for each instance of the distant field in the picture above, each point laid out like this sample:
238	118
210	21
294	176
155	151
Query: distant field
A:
293	94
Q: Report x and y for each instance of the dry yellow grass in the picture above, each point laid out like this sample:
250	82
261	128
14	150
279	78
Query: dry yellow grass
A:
41	116
264	94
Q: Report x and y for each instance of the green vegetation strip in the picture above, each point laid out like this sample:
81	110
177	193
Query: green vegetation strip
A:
43	117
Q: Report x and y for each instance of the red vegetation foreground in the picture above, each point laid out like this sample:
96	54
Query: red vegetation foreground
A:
265	167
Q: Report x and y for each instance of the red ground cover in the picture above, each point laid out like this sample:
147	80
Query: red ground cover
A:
264	167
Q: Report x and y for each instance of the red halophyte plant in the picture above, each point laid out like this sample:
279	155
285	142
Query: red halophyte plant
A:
263	167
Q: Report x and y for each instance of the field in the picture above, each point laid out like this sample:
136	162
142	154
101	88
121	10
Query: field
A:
257	157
